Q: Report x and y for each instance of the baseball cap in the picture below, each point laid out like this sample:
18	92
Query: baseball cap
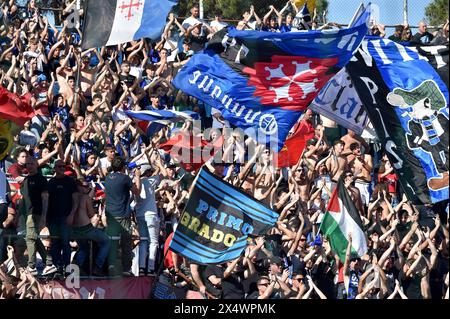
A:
41	78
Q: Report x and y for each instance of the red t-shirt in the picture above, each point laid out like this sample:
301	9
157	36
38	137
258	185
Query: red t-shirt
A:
340	273
17	170
391	181
168	260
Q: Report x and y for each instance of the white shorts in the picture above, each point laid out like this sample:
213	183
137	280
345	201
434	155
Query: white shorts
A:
364	190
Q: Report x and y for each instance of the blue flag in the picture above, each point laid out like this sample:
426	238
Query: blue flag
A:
407	102
217	221
263	81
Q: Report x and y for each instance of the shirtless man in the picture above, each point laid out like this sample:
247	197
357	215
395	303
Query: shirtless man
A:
353	191
87	73
361	166
303	177
337	163
84	231
310	156
106	83
350	138
64	74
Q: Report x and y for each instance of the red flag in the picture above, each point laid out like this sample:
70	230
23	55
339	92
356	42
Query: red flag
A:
192	151
15	108
291	152
295	144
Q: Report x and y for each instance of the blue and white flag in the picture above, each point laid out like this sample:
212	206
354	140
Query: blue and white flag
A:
302	20
263	81
111	22
407	102
150	122
217	221
339	102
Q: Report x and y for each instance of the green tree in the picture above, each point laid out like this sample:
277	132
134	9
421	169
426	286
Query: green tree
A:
322	6
233	9
437	12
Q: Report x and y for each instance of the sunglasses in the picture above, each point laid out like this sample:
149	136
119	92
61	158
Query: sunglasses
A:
302	239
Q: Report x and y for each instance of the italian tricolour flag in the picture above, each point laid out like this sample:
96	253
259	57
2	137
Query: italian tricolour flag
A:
342	218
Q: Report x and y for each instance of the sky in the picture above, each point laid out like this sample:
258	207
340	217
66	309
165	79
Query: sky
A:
391	11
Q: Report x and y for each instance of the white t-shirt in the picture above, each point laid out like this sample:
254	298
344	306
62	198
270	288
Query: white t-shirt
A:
145	202
104	163
219	25
3	182
136	71
189	22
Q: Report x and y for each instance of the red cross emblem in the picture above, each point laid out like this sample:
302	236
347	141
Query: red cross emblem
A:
130	6
290	82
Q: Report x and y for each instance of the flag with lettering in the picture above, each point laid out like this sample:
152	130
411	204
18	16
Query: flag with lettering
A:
263	81
407	102
217	221
111	22
339	102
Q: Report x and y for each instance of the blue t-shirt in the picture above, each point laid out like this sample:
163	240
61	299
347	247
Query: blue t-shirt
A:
63	113
117	191
353	284
86	147
285	28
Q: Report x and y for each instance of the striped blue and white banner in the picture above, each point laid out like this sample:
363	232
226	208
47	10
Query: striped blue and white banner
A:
217	221
111	22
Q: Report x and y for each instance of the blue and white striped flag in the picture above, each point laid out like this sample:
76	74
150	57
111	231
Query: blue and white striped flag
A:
217	221
153	121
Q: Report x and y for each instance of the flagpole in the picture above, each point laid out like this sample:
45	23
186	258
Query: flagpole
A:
405	12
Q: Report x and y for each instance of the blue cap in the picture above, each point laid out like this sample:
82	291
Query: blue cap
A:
41	78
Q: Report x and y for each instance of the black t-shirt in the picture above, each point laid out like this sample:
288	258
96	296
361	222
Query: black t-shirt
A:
117	191
60	192
213	270
128	79
32	189
233	286
411	286
325	280
198	42
395	38
424	38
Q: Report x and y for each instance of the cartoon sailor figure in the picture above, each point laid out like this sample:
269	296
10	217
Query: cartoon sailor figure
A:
427	125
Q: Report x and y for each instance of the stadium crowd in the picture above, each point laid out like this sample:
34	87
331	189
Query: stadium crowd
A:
87	173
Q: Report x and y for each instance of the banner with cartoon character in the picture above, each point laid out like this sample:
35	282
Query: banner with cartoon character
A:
407	102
